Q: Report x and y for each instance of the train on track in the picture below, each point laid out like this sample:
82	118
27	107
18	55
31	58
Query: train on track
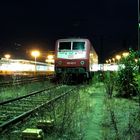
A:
24	67
75	57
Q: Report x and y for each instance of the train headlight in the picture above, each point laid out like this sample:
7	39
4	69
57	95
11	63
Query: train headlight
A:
82	62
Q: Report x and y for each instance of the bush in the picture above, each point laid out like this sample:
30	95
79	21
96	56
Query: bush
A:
109	82
126	81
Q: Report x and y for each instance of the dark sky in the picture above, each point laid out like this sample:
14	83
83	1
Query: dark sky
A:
111	25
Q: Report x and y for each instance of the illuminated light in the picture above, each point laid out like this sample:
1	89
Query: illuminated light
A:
94	67
125	54
108	67
109	60
35	53
49	60
82	62
7	56
118	57
106	61
50	56
17	67
113	59
91	55
136	60
51	68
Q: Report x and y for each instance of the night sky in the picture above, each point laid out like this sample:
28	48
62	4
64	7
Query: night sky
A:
110	25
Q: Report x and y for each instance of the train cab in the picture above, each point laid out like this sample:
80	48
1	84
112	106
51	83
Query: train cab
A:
72	56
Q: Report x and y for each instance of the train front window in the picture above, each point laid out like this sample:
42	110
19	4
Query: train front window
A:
78	45
65	46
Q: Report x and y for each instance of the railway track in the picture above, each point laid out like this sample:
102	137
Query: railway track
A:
17	109
24	81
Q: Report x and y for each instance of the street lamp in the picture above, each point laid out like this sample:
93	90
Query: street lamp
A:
109	61
50	59
106	61
113	59
125	54
118	57
7	56
50	56
35	54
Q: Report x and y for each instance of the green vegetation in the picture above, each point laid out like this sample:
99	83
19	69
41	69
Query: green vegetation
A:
126	79
122	108
106	109
19	90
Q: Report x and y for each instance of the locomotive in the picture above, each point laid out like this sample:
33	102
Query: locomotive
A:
75	57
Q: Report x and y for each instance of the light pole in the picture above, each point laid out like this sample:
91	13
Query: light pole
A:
35	54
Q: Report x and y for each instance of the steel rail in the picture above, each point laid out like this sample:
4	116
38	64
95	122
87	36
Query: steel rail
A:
25	96
20	82
29	112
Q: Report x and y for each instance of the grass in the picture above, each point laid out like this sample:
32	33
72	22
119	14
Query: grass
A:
107	118
20	90
90	114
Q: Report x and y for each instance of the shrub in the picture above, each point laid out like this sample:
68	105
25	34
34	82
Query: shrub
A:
126	81
109	82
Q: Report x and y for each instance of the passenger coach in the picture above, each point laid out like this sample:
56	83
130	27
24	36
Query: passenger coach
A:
75	57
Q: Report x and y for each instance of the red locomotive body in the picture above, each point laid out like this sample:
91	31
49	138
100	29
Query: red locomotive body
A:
74	56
